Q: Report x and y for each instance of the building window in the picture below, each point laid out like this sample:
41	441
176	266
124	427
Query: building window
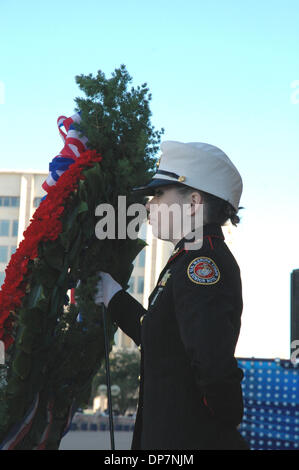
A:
13	249
15	227
3	254
4	228
36	201
140	285
14	201
2	277
141	260
9	201
131	285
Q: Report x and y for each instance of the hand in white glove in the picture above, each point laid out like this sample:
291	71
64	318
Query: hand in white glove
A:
107	287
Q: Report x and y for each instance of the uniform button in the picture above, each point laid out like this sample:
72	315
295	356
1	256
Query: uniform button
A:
139	347
139	377
141	319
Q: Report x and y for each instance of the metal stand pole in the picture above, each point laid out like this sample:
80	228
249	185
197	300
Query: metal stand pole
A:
108	379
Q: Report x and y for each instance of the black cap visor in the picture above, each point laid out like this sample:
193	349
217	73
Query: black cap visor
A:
149	188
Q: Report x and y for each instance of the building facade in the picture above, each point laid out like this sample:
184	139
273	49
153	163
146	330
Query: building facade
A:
20	195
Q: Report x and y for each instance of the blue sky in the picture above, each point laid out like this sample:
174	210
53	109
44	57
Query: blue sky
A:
220	72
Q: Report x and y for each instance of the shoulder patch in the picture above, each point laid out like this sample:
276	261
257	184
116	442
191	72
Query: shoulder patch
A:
203	270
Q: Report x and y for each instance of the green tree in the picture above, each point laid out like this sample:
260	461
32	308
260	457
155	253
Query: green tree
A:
116	121
124	371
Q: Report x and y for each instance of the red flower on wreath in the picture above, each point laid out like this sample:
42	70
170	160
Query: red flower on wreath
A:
45	225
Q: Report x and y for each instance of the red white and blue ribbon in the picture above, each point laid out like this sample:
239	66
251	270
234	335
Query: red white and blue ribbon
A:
74	145
43	440
20	430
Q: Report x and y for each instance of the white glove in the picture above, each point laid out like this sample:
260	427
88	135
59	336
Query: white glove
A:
107	287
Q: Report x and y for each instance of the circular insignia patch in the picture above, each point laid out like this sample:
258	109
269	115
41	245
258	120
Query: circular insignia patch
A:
203	270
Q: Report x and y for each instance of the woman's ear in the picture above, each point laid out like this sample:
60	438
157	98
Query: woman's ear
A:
196	200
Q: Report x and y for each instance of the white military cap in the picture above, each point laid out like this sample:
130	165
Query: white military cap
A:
200	166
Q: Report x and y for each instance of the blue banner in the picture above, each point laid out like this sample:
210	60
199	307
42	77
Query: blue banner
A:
271	404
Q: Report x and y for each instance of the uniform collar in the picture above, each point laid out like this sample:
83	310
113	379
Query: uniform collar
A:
209	230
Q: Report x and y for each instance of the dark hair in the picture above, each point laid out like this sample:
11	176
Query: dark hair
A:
216	210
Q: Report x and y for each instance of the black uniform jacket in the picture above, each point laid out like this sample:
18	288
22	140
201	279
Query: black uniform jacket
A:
190	395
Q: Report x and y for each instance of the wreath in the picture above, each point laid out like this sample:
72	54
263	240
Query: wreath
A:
53	348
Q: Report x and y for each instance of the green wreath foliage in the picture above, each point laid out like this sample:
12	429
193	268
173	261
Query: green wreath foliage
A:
54	355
